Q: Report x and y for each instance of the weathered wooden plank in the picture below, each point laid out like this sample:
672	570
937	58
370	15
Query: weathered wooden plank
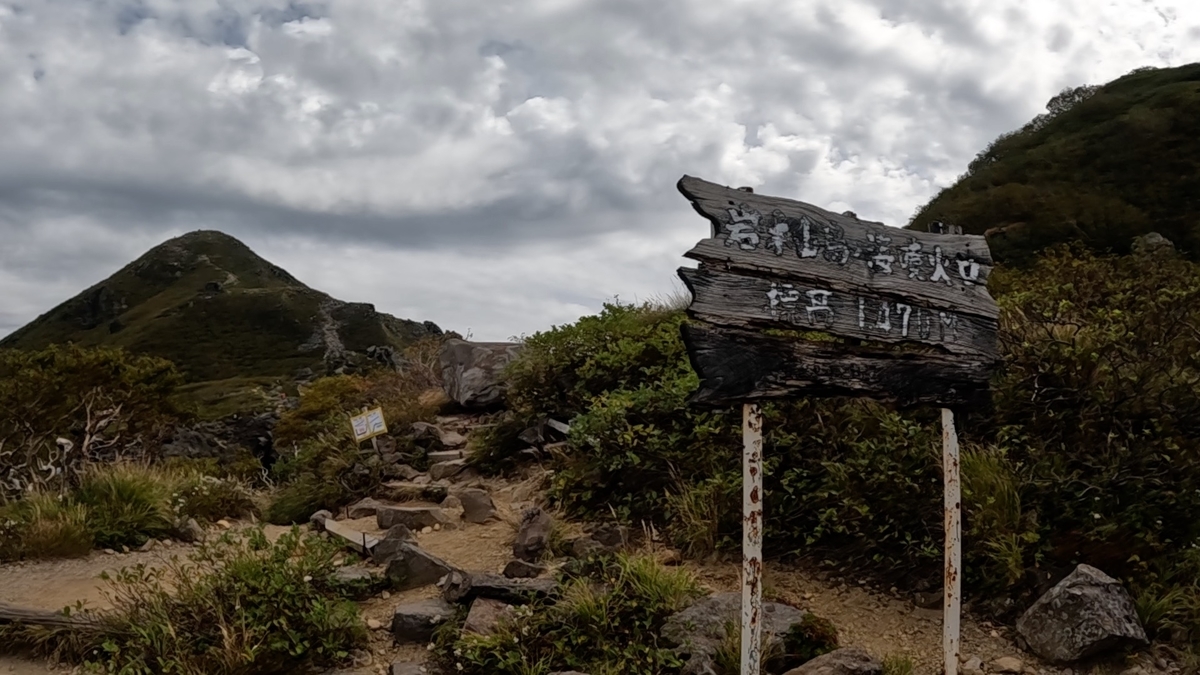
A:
736	366
352	538
41	617
811	244
714	253
727	299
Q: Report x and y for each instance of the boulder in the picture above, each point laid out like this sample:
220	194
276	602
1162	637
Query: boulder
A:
533	535
696	633
412	517
471	371
611	535
447	469
318	519
413	567
416	621
521	569
477	505
1086	614
485	616
845	661
585	547
190	531
464	587
389	546
1152	244
353	575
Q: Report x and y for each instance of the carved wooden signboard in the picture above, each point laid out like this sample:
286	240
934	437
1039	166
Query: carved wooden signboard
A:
902	316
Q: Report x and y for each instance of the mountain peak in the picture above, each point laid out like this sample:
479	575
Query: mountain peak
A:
217	309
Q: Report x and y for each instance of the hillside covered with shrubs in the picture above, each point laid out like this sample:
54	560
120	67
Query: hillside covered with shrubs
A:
1103	165
1090	452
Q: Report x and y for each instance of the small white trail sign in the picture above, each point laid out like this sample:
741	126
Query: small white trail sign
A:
368	425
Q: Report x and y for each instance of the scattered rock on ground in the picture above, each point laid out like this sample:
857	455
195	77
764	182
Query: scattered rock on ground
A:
1007	664
846	661
533	535
191	532
318	519
699	631
444	456
583	547
416	621
485	616
464	587
973	666
389	546
406	668
522	569
413	517
611	535
448	469
471	371
477	505
364	508
1086	614
350	574
413	567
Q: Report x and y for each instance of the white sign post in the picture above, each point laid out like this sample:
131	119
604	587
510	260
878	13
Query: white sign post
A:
752	538
952	608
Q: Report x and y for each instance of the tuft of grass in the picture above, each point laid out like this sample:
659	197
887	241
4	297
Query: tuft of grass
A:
126	504
606	621
898	664
240	604
43	526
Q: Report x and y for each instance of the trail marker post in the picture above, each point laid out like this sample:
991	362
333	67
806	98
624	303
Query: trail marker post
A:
911	323
369	425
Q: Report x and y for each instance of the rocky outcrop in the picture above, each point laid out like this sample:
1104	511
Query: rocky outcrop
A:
1085	614
847	661
471	371
533	535
699	631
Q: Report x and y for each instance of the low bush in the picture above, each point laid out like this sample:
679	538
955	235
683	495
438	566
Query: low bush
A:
606	623
1089	452
320	466
237	605
126	505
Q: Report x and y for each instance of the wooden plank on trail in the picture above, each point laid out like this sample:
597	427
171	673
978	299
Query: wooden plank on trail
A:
352	538
758	234
738	365
41	617
727	299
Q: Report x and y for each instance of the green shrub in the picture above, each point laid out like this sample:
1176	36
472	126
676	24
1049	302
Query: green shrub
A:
606	622
126	504
43	526
209	499
328	472
237	605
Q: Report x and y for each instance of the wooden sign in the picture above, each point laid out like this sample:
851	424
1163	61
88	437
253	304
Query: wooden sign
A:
368	425
899	315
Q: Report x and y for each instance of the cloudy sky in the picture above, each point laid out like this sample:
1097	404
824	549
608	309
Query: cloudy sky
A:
499	166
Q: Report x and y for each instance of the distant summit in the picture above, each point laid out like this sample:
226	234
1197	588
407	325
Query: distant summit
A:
1102	166
207	302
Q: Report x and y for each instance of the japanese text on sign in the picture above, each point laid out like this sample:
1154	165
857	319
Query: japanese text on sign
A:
368	425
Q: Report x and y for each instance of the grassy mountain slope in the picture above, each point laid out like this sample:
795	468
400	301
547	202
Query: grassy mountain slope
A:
1104	165
207	302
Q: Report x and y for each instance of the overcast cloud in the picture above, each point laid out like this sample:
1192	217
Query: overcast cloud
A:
501	166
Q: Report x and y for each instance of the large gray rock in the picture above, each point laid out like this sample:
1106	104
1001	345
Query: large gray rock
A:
533	535
413	567
391	544
471	371
464	587
1152	244
416	621
521	569
447	469
477	505
412	517
364	508
1085	614
846	661
697	632
485	616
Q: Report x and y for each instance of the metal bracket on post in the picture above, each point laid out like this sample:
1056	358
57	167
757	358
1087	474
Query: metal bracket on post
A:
952	609
752	538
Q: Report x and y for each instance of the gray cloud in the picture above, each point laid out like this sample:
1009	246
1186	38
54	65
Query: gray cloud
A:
501	165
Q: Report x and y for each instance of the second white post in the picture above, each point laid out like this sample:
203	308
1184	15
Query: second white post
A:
752	537
951	613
